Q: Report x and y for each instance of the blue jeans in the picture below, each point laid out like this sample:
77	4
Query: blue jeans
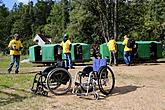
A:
68	60
127	57
113	57
14	58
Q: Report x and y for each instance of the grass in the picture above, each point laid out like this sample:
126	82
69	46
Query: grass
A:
5	61
15	91
14	88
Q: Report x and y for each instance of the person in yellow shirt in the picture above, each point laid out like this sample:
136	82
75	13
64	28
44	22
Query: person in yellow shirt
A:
112	50
127	51
66	45
15	47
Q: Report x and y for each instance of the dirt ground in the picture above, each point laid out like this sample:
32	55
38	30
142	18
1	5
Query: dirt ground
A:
138	87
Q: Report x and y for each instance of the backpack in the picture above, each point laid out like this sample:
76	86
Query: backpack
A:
131	43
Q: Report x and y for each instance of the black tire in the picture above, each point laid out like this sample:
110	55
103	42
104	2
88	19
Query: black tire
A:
59	81
106	75
44	93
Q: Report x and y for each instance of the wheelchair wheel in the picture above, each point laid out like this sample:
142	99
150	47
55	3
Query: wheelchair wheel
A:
59	81
106	80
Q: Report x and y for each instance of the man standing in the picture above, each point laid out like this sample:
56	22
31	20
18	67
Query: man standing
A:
66	45
15	47
127	51
112	50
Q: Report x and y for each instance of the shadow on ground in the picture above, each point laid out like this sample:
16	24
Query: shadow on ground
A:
12	95
124	89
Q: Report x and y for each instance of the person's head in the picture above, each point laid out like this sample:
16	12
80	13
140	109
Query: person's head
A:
112	37
65	38
125	37
16	36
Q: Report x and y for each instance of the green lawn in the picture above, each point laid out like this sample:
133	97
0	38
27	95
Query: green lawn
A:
14	88
5	61
15	91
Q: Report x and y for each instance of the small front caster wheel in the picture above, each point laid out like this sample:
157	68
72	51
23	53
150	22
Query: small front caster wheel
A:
96	96
45	93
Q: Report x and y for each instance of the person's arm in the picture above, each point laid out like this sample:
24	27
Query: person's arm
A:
115	46
108	44
124	42
61	44
70	45
10	46
21	46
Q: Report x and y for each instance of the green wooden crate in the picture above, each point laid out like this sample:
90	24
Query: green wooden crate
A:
144	49
49	52
35	53
105	52
82	55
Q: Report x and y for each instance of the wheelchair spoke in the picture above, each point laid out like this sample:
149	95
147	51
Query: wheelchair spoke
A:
61	84
106	80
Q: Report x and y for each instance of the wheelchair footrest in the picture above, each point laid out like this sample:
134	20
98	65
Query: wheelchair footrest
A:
77	84
33	90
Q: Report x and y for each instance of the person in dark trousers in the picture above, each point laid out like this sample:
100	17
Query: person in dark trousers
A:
112	50
66	45
127	51
15	47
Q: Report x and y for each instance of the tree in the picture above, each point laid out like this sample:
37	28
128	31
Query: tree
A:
5	26
55	26
82	23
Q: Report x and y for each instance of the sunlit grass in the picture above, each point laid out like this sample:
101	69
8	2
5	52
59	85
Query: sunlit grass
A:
5	61
14	88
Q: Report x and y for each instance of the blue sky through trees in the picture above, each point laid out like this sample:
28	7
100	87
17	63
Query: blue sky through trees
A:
10	3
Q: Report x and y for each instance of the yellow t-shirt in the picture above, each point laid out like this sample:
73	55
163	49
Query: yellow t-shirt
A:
112	45
125	43
15	44
66	46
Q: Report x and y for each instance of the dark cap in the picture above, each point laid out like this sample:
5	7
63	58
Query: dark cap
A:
65	36
16	35
112	37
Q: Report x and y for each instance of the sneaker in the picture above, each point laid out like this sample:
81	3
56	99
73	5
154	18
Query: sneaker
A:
72	67
16	72
8	72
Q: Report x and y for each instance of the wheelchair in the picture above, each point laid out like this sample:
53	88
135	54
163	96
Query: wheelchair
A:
54	78
91	78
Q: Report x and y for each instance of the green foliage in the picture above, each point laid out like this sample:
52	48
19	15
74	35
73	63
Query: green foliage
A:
88	21
54	27
5	26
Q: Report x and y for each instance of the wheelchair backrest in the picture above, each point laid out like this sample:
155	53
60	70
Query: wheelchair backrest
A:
97	63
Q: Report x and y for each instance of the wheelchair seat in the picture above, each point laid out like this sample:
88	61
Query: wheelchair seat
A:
85	72
98	63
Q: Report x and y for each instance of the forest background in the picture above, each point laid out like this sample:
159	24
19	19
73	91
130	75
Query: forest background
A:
87	21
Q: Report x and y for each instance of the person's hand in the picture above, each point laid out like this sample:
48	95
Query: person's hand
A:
14	48
17	49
